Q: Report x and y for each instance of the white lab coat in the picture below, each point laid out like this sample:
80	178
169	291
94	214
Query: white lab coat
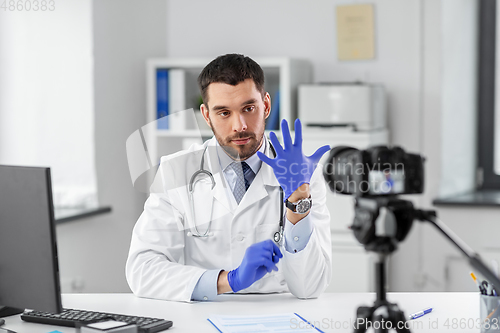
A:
164	262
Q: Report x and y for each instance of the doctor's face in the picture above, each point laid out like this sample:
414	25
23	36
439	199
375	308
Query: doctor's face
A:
237	116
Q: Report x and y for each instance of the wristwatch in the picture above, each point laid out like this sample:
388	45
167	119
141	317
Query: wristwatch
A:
300	207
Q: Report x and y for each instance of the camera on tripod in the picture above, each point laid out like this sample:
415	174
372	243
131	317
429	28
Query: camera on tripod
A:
375	177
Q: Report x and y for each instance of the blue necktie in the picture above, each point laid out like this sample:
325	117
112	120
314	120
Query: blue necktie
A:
242	173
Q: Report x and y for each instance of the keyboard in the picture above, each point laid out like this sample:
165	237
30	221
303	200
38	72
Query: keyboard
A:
71	317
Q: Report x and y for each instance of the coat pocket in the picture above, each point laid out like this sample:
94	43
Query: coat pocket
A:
265	231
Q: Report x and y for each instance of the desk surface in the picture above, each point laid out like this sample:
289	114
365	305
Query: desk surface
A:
333	312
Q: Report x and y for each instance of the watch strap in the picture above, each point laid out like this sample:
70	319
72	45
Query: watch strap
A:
290	206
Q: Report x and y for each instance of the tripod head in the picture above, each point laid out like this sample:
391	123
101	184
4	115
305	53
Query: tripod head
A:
380	223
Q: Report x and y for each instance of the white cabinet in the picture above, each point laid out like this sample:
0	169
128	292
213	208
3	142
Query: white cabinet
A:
351	265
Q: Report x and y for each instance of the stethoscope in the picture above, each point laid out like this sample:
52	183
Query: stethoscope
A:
278	235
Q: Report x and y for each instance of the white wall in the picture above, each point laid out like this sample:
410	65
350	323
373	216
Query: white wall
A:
456	137
306	29
93	251
448	136
459	82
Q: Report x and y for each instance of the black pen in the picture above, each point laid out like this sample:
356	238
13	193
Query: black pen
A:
481	288
486	287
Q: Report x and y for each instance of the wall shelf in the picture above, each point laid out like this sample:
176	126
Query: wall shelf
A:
483	198
63	215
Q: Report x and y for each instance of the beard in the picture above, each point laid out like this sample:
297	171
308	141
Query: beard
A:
240	152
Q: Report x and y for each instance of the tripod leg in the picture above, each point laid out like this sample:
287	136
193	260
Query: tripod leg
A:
398	319
381	318
363	317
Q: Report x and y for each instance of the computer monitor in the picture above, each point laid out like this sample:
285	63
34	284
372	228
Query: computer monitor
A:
29	272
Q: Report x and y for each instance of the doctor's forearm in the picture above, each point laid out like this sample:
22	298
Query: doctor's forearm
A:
223	283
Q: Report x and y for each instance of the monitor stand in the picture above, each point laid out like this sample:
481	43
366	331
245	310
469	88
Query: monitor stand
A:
6	311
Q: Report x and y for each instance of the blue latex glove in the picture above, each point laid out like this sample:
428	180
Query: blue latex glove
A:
291	167
260	258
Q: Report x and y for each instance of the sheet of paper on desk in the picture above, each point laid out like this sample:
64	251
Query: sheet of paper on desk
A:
283	323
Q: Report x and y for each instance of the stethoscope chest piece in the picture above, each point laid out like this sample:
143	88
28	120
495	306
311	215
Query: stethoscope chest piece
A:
277	237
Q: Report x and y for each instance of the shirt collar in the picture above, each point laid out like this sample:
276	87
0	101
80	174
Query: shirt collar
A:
253	161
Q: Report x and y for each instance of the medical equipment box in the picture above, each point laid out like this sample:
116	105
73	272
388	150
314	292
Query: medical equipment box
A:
360	106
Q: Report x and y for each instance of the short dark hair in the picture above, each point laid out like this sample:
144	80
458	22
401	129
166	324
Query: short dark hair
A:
230	69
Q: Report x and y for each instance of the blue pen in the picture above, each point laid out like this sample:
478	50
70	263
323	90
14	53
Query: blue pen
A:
420	313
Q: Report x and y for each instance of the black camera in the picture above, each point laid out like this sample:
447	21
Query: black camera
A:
376	171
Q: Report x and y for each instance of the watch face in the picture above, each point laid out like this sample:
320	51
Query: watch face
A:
303	206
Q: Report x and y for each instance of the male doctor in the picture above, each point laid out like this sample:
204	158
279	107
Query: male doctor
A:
218	238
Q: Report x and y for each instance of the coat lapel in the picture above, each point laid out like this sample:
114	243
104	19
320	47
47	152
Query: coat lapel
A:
220	191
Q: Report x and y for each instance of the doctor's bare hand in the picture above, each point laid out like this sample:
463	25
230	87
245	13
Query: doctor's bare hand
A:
259	259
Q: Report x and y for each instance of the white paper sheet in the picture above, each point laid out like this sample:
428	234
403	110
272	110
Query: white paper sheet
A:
283	323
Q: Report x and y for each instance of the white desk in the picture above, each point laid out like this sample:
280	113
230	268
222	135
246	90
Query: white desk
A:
329	309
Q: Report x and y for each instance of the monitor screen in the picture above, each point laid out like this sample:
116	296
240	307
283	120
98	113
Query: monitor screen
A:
29	273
